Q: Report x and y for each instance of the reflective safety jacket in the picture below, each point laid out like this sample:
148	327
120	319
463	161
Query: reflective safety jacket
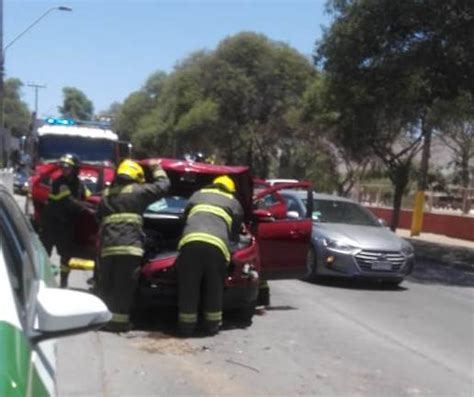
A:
65	202
214	216
120	214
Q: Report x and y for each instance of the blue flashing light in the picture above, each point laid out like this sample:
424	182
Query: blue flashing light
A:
54	121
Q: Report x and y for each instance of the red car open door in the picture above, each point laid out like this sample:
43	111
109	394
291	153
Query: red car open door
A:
283	241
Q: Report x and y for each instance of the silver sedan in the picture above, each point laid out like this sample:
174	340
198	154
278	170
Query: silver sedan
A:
349	241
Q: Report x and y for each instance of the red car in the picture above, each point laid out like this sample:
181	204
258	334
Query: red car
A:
274	246
95	177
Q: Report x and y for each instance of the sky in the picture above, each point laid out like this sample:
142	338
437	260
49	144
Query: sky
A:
108	48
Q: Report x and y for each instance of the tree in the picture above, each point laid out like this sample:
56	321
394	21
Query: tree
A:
455	121
387	63
233	103
17	115
76	105
258	82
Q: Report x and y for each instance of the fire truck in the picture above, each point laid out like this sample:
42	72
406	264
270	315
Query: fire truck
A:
94	143
91	142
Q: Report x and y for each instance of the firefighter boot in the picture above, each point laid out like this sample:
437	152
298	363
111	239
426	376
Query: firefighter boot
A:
64	276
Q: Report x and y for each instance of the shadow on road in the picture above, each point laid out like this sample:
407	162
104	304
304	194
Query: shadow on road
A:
371	285
281	307
163	321
432	272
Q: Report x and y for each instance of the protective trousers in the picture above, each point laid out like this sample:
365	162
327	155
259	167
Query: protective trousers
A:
63	239
201	267
118	278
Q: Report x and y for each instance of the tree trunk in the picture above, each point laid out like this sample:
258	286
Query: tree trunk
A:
399	176
425	156
465	180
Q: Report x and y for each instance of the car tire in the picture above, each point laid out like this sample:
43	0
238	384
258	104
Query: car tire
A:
392	283
311	265
246	313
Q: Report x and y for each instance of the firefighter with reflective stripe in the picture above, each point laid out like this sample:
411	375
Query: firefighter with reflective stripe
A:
66	201
121	236
213	219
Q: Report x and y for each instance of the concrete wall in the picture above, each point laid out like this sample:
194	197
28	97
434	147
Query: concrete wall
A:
456	226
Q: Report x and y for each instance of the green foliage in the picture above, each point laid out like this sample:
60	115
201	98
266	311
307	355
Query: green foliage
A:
232	102
135	106
76	105
386	63
17	115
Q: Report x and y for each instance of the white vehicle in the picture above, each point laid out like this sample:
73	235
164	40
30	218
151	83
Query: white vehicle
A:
32	311
91	142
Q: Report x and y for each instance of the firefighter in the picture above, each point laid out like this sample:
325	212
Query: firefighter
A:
213	219
121	236
65	203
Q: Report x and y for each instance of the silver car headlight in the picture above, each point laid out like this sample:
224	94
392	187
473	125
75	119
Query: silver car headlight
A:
339	246
408	250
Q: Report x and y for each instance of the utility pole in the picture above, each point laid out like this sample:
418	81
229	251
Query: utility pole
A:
36	88
3	49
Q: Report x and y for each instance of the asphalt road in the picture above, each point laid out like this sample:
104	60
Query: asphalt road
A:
332	339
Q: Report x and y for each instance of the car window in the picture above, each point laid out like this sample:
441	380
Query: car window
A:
174	204
266	202
8	258
292	204
12	256
335	211
17	233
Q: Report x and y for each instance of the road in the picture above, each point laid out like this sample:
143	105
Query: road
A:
331	339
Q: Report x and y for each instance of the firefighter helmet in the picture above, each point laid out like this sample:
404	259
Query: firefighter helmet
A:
132	170
69	160
226	182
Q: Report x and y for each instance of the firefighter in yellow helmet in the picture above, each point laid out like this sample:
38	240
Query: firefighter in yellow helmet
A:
121	236
213	219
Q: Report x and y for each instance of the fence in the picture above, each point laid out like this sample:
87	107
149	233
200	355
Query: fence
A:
455	202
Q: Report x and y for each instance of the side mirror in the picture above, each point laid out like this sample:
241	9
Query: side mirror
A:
63	312
263	215
292	215
382	222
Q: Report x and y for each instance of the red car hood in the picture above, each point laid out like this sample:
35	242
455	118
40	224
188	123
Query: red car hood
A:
186	177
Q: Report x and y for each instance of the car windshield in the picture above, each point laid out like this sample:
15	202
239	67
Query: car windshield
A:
173	205
91	150
334	211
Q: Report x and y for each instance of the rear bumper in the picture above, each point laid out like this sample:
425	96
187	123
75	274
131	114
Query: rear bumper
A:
162	295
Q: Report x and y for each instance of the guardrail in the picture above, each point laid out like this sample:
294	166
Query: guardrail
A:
6	178
456	226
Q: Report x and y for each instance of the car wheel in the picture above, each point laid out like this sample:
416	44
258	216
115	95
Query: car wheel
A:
246	313
311	267
392	283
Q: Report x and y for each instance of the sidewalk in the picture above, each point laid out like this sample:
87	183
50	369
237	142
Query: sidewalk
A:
451	251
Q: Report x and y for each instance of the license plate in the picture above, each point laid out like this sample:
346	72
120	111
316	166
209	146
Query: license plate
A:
381	266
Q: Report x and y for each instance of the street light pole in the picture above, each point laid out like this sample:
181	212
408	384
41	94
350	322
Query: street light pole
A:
2	71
